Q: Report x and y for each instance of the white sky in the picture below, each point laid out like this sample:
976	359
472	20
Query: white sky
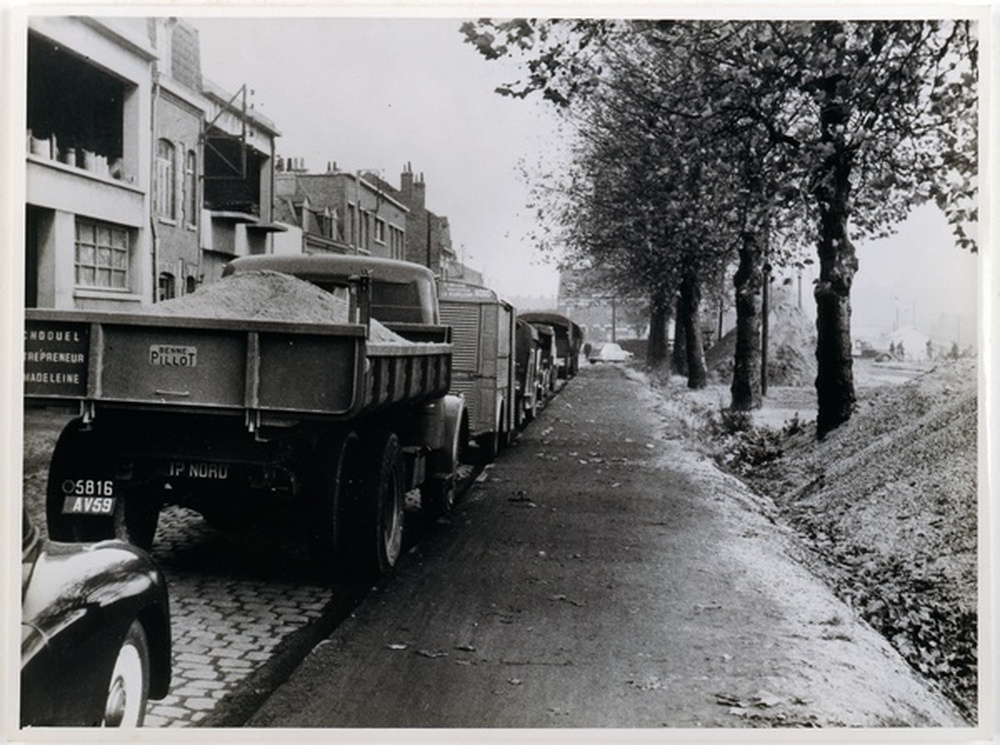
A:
380	93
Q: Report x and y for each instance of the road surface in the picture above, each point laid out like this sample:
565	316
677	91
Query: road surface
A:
604	575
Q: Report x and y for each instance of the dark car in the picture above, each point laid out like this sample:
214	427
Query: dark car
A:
95	633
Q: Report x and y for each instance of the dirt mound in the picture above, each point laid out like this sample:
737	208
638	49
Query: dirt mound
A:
267	296
889	501
260	295
791	348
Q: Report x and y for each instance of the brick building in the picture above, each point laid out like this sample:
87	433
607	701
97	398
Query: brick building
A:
178	118
338	212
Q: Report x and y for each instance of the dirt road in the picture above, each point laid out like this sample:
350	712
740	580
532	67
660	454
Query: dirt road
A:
603	575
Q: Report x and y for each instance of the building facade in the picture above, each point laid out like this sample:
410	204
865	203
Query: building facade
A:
88	141
338	212
178	126
142	179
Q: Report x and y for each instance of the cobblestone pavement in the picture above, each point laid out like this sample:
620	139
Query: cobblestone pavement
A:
233	599
234	596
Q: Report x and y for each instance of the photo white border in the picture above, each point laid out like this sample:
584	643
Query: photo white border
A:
13	24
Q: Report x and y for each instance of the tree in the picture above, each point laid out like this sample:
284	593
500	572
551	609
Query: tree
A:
855	121
885	100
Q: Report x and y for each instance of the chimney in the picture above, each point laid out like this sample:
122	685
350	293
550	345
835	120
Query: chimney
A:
419	192
406	184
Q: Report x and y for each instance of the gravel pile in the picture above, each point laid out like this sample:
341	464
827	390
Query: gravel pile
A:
887	503
267	296
791	348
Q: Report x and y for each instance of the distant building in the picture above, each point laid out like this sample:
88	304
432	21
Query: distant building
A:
338	212
594	306
428	236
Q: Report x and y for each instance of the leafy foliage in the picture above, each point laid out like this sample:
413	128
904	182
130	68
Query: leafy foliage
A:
694	135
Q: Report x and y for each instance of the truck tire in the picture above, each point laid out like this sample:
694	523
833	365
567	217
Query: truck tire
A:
79	456
135	519
378	519
489	445
437	497
335	486
438	493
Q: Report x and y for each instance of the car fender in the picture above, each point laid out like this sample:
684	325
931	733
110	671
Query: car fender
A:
81	600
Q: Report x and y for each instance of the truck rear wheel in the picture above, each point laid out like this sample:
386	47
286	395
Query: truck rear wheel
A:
80	463
378	529
336	486
437	497
135	519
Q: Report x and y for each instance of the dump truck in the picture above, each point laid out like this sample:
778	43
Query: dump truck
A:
569	340
528	372
244	413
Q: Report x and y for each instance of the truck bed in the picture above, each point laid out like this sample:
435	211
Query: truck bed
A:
223	365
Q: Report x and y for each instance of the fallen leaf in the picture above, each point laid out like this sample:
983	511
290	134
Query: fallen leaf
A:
765	700
564	599
726	699
396	647
431	655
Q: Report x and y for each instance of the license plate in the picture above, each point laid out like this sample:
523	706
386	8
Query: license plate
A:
89	505
198	470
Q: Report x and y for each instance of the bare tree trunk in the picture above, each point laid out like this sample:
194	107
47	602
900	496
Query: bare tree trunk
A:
657	348
838	264
690	301
748	280
678	359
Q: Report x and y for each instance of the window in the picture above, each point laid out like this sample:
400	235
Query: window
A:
379	230
102	252
166	196
191	189
167	286
352	225
81	106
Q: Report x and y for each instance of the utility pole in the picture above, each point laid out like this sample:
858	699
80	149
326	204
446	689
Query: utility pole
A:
765	298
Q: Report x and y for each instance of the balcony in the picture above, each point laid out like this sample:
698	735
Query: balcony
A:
82	184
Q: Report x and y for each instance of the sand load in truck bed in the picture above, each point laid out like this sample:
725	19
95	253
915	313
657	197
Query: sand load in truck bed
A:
267	296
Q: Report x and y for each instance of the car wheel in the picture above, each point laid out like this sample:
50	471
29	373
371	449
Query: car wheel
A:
128	689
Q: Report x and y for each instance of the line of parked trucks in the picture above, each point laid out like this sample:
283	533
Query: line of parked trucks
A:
334	422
